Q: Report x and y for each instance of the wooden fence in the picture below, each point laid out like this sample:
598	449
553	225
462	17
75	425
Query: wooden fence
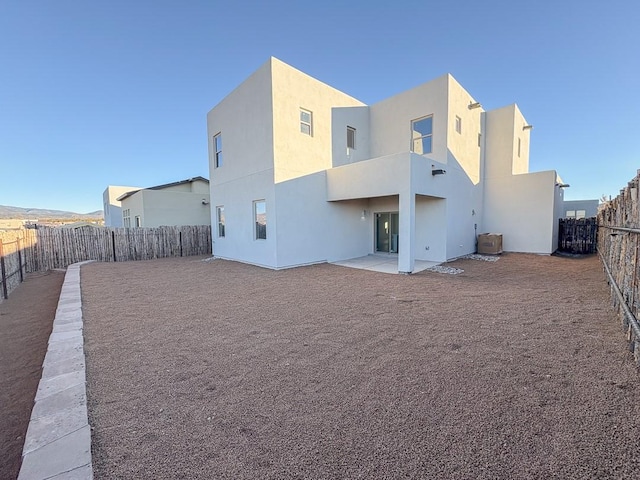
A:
619	249
47	248
12	265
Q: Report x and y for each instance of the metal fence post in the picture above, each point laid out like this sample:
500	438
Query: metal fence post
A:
5	292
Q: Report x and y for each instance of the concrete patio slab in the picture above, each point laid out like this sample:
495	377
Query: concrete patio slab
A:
382	263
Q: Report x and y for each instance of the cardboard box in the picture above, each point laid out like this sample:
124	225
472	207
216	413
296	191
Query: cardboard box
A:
490	243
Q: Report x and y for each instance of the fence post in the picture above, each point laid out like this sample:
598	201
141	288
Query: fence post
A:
180	237
4	272
113	244
20	260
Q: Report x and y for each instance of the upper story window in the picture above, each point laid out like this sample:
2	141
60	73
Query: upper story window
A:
458	124
519	145
217	148
126	217
306	122
421	135
220	220
260	218
351	138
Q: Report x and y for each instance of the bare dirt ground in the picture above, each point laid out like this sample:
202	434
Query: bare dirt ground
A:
513	369
26	320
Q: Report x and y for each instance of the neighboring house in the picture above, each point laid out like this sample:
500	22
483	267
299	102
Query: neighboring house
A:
302	173
580	208
179	203
112	207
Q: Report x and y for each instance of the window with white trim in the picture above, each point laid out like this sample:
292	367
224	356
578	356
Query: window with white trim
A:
138	221
220	220
458	124
306	122
570	214
351	138
580	214
422	135
126	217
217	150
519	146
260	219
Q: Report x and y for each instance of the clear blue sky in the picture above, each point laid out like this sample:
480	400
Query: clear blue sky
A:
97	93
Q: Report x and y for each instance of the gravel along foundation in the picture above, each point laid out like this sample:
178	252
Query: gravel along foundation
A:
510	369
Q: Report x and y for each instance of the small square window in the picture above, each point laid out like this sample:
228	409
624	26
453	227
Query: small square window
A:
351	138
306	122
580	214
220	220
217	148
571	214
458	124
260	219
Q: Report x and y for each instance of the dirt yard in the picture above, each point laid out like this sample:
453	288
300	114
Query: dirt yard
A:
513	369
26	320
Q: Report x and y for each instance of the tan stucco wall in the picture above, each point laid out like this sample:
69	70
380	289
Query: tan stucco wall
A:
298	154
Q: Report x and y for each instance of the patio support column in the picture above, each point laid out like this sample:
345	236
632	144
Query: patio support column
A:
407	232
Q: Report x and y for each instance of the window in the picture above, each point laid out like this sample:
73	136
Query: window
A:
351	138
138	221
220	220
519	145
306	122
217	149
458	124
421	133
260	218
580	214
479	139
126	217
571	214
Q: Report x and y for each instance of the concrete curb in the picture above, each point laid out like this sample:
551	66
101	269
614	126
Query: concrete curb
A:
58	440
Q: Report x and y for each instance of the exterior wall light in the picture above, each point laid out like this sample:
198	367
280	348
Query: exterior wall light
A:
438	171
364	215
562	185
473	105
528	127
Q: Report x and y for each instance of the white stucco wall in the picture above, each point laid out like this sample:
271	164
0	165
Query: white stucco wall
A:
355	117
503	129
523	208
244	118
111	206
295	153
391	119
168	207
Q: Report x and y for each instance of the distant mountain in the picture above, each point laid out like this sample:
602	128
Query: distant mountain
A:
40	213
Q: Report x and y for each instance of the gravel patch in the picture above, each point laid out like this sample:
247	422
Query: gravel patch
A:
511	369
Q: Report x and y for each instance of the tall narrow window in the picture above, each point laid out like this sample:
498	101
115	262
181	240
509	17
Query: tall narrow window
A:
260	218
519	147
217	148
421	135
138	221
306	122
458	124
220	220
126	218
479	139
351	138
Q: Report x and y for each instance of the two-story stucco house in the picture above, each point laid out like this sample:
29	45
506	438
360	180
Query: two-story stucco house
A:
303	173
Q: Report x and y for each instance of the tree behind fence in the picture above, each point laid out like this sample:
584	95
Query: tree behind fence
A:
47	248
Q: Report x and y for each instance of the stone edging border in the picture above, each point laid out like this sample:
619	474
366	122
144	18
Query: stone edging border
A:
58	440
